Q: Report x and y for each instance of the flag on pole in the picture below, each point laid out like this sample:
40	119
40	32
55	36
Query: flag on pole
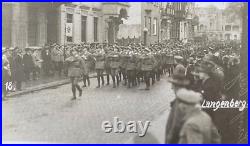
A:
69	29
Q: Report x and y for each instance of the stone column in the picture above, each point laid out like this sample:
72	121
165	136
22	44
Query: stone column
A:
15	24
42	27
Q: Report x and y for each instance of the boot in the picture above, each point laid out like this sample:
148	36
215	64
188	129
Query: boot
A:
79	90
74	92
88	81
98	80
113	80
102	80
117	79
107	79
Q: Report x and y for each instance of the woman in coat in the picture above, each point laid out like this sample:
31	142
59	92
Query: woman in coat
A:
74	64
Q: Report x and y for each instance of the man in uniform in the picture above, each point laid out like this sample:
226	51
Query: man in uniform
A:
148	64
87	58
74	64
99	66
114	65
131	69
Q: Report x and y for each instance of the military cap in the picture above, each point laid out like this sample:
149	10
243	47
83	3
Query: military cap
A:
188	96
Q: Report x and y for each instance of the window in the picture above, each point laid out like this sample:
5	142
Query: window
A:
95	29
228	28
155	27
69	20
236	28
235	37
84	28
145	21
201	27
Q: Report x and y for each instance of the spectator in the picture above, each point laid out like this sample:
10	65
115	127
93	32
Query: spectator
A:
46	57
19	70
28	63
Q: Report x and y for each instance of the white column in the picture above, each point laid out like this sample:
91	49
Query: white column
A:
42	27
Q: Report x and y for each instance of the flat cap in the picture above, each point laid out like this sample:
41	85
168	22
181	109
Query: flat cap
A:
188	96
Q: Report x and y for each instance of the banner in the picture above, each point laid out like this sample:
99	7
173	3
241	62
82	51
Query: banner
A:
69	29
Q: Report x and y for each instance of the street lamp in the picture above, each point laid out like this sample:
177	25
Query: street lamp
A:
145	30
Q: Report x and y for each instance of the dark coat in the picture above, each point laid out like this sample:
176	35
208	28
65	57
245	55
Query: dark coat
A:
28	62
210	89
47	62
18	68
174	124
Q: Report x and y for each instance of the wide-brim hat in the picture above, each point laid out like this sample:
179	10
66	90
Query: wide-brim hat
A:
204	69
179	77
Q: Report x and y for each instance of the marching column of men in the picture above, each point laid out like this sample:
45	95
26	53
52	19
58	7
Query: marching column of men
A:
198	72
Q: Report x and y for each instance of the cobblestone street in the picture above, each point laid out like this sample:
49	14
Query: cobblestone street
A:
50	116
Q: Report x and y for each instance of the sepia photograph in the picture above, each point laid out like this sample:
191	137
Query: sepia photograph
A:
125	72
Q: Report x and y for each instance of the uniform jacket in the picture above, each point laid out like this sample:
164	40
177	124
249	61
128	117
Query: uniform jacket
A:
148	63
132	63
100	61
74	66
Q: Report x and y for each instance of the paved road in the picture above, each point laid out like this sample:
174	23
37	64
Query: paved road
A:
50	116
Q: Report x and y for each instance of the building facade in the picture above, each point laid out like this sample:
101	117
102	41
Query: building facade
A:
215	25
35	24
145	17
177	19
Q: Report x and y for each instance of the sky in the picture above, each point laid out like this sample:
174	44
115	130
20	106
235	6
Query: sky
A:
220	5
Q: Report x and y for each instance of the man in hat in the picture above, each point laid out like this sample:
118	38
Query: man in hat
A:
46	57
37	63
28	63
18	66
174	124
198	127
